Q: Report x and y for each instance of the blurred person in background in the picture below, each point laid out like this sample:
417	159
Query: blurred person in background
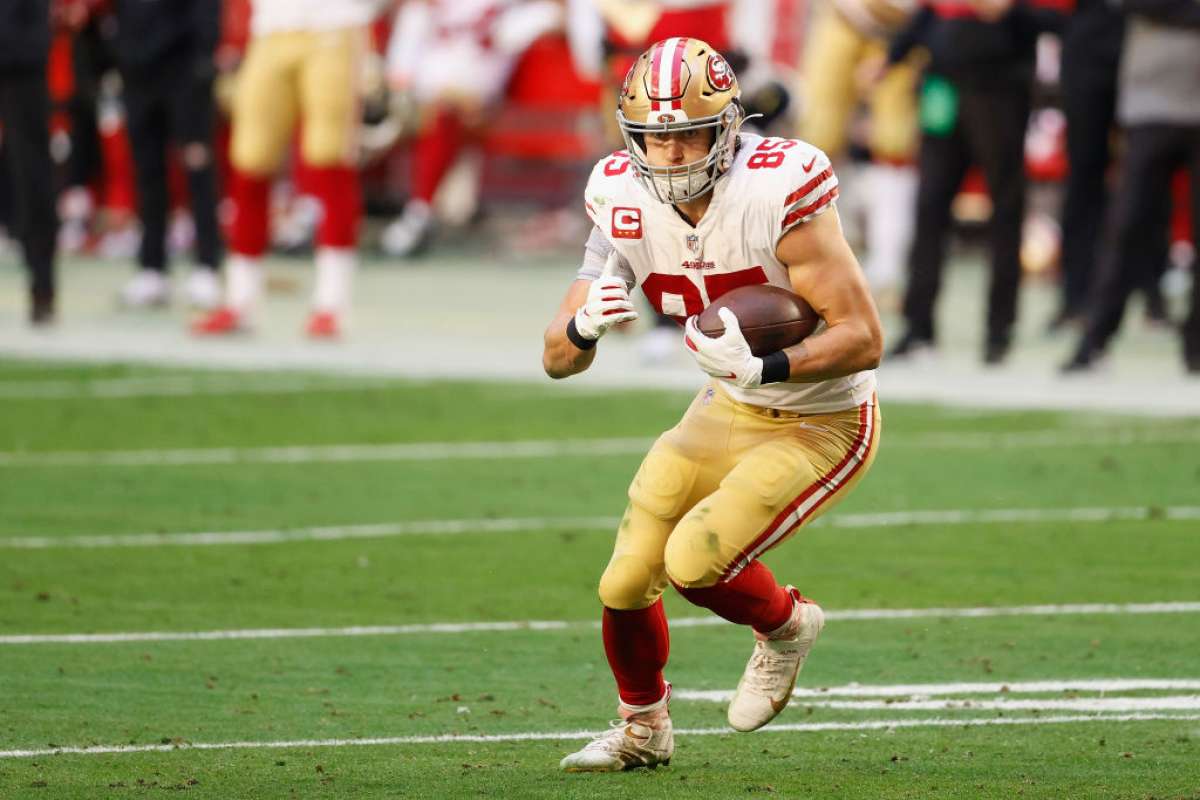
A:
1091	53
452	59
1159	107
166	52
25	132
302	69
91	57
846	48
975	100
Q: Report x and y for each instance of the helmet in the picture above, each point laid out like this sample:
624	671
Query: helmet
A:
680	84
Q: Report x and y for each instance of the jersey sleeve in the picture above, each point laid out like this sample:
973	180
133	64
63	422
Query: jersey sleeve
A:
812	189
595	254
603	189
603	185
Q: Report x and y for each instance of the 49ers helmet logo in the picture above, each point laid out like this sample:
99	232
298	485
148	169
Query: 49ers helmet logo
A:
720	76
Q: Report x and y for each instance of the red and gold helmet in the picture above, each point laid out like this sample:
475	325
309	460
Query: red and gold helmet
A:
680	84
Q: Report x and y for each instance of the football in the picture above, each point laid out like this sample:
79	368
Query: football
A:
771	318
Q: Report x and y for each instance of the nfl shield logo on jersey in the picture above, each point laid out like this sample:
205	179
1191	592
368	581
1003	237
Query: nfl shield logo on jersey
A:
693	243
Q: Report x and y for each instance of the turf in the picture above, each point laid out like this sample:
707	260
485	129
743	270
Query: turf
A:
552	681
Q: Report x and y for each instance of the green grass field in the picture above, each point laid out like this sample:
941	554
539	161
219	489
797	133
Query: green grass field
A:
353	587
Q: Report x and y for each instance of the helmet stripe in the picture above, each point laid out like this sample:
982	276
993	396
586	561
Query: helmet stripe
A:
656	55
664	63
676	68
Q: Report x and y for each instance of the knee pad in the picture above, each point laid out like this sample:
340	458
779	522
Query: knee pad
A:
663	483
772	477
693	557
630	583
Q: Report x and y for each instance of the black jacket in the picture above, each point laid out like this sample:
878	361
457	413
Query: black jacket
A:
24	33
148	30
972	52
1091	41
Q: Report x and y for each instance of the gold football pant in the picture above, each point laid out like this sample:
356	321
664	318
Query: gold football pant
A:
306	76
833	52
725	485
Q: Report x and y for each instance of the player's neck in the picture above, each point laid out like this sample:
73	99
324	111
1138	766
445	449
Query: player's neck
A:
693	210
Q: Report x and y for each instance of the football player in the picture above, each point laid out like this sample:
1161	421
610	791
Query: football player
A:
302	68
691	209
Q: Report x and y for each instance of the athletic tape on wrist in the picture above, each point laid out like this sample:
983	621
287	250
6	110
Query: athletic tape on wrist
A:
577	338
776	367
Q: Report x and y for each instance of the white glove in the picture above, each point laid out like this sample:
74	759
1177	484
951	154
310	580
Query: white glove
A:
607	303
726	357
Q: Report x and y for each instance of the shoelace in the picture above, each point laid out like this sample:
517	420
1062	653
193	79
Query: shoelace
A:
615	735
765	664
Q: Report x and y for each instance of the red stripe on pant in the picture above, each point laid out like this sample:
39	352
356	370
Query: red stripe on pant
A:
826	482
637	644
752	597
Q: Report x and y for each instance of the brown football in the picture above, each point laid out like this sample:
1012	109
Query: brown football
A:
771	318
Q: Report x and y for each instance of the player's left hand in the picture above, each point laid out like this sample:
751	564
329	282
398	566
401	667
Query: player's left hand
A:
726	357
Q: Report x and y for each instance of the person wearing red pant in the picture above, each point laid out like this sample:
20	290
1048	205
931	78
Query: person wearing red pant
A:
454	60
691	209
302	67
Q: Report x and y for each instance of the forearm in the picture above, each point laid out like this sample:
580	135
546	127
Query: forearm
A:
837	351
561	358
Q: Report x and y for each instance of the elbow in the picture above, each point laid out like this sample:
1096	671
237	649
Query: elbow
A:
553	369
872	351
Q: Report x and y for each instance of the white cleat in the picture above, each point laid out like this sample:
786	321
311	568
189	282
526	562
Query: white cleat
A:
146	288
203	289
408	233
766	685
642	738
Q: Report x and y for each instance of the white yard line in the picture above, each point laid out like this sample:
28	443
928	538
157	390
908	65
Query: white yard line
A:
1109	704
558	625
326	533
184	385
446	527
543	736
553	448
1095	685
417	451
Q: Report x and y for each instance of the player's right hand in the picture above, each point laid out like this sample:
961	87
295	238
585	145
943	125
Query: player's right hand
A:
607	304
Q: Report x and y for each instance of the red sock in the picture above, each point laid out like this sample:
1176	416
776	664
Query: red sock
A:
341	203
752	597
637	643
248	227
434	152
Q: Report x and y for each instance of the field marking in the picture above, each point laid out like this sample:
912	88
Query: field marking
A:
546	448
558	625
325	533
335	453
1097	685
1173	703
384	530
539	736
1107	704
184	385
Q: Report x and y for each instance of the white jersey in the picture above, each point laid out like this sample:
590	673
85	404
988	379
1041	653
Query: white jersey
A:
773	186
273	16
